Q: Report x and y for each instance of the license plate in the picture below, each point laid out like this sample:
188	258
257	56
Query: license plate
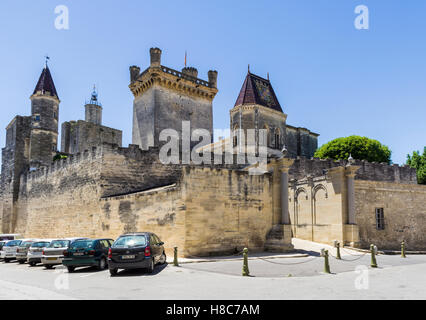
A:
128	257
79	254
51	258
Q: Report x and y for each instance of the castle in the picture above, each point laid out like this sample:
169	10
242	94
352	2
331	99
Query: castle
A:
102	189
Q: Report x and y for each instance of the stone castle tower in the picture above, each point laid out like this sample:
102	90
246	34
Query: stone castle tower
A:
81	135
257	107
164	97
93	109
31	142
44	121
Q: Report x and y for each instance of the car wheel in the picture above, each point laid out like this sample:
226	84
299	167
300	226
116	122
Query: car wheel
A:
113	272
6	260
71	269
151	266
32	264
102	264
21	261
163	258
48	266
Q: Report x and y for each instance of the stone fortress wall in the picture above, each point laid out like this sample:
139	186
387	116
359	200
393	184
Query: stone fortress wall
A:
111	190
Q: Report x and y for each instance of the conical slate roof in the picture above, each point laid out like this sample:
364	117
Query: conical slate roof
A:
45	83
257	90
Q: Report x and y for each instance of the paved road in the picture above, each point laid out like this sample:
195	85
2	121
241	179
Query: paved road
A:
396	279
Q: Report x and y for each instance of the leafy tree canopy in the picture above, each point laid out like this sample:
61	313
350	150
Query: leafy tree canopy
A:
418	161
361	148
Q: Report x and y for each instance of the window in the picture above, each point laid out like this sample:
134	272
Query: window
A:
380	219
54	115
37	117
235	134
277	138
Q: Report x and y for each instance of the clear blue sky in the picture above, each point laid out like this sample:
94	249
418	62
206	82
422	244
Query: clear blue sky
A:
328	76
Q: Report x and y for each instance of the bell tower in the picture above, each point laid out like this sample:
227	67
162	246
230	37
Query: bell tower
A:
44	121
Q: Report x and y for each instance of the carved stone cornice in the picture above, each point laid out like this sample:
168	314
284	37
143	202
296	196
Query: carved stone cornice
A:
173	80
253	107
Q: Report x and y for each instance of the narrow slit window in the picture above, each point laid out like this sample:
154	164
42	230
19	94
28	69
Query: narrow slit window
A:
380	219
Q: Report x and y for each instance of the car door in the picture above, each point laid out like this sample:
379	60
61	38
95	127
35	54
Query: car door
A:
155	248
104	246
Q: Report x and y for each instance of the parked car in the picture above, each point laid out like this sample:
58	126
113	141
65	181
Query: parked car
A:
22	250
35	251
2	243
84	253
54	253
9	250
136	250
9	236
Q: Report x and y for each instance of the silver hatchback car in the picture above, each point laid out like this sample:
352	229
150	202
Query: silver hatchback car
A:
54	253
35	251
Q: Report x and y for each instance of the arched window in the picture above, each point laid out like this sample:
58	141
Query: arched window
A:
235	135
277	138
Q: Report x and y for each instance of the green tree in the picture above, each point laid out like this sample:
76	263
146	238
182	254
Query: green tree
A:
361	148
419	162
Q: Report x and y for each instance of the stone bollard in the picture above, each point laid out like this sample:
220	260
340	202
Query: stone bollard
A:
403	250
326	263
246	271
373	256
175	258
338	251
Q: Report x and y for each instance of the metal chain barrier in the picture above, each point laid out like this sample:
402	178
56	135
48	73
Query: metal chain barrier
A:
286	264
349	260
240	253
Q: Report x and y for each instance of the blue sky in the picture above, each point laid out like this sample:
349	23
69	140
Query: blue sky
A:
329	76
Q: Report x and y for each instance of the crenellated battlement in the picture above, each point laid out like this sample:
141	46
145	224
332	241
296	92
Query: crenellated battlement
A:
372	171
61	164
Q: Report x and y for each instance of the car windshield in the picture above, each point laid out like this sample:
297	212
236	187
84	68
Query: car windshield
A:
83	244
13	243
39	244
130	241
59	244
26	244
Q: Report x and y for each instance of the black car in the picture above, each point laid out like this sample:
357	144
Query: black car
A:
140	250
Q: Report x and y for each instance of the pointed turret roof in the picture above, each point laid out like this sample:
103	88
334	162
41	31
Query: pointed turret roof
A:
45	83
257	90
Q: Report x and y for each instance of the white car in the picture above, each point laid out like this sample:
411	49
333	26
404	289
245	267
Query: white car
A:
2	243
54	253
8	252
35	251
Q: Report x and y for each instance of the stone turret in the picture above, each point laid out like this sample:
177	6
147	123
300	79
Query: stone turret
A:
134	73
190	71
213	78
94	109
155	57
44	123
